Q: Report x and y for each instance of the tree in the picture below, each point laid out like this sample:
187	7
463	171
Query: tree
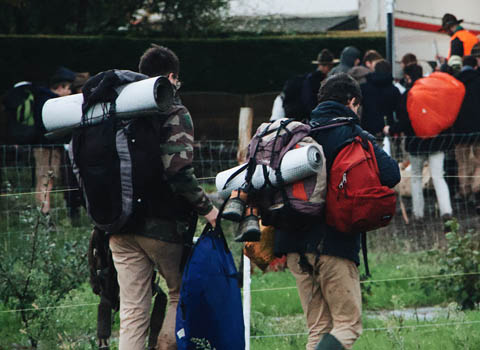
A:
177	17
189	17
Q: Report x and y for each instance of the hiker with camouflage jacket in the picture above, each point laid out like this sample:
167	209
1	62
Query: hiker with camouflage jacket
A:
159	241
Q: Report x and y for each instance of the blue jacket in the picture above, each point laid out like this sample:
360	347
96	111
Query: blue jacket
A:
321	238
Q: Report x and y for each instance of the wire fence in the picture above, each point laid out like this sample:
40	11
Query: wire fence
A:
439	177
19	177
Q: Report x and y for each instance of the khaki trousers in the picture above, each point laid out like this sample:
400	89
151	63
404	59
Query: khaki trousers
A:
330	297
468	160
135	257
47	168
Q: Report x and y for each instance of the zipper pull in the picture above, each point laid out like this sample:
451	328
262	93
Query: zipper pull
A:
344	181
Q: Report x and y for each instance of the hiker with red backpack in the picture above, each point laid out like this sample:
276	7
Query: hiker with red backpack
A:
425	141
324	257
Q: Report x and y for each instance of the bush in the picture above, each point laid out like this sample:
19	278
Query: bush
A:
462	258
36	275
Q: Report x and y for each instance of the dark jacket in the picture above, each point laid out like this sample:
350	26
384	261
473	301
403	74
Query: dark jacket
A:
468	120
300	95
347	60
380	99
42	95
413	144
321	238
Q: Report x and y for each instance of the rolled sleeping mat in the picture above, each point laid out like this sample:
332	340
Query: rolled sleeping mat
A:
60	115
296	164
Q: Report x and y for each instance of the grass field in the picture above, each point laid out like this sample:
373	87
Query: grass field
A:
277	318
278	322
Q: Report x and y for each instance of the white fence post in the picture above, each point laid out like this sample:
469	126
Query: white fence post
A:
247	299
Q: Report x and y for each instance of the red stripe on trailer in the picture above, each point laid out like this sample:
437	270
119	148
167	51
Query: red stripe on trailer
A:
428	27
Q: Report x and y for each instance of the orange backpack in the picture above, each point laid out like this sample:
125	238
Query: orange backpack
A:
433	104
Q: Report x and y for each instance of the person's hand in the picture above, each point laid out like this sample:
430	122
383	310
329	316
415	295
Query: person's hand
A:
212	216
386	130
440	59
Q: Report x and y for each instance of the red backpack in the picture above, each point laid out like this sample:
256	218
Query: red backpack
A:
433	104
356	200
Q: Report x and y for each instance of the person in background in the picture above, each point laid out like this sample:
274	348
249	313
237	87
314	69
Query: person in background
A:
419	150
299	95
467	135
461	40
476	54
325	62
407	59
349	58
381	99
47	156
455	64
359	73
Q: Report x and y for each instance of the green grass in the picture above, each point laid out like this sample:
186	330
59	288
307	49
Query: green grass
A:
458	331
276	306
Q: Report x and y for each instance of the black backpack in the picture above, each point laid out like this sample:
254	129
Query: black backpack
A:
19	106
118	162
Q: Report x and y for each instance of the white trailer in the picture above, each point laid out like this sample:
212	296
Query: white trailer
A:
416	24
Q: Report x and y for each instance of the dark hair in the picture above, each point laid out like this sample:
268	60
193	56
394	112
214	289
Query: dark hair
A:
409	58
61	84
383	66
470	61
340	88
371	55
414	71
159	60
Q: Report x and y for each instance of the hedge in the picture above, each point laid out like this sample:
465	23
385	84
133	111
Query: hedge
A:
237	65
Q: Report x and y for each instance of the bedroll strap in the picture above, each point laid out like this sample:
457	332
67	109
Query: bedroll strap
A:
365	253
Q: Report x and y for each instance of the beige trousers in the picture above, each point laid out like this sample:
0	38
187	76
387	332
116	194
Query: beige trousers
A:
135	257
330	297
468	160
47	168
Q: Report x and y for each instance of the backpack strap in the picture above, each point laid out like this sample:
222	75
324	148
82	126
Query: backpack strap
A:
365	253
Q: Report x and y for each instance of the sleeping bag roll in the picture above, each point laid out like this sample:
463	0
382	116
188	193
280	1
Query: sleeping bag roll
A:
136	99
297	164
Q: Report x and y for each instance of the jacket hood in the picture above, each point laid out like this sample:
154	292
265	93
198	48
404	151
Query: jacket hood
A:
328	110
380	79
349	55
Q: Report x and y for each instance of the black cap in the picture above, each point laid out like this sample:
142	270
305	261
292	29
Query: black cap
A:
62	74
449	20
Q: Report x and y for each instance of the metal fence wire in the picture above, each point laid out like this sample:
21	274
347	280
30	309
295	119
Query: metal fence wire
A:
447	168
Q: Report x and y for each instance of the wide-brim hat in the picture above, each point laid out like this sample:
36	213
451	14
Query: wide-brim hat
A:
449	20
325	57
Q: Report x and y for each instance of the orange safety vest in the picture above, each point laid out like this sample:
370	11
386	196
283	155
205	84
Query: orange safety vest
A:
469	40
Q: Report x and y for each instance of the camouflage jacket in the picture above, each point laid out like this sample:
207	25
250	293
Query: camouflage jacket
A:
177	157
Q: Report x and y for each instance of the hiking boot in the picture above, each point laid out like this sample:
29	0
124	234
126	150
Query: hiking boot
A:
249	230
235	206
329	342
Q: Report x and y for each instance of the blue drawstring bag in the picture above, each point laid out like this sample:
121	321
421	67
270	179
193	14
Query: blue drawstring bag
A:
209	312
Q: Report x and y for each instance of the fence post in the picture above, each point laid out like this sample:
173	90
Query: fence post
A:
245	122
